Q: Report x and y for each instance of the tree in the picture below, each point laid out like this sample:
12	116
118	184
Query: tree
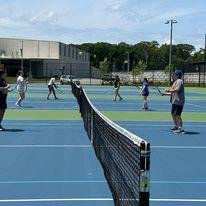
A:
104	67
138	69
155	56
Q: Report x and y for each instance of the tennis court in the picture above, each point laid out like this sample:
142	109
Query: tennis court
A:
47	159
177	161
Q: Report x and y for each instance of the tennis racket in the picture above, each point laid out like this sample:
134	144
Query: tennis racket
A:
59	90
159	91
23	89
12	89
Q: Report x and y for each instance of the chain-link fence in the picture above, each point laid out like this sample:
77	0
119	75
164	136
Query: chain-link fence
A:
81	71
195	73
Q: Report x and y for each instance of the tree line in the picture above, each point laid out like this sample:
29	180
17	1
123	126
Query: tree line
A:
149	55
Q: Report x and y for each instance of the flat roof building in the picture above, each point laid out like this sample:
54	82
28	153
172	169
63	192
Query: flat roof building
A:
40	58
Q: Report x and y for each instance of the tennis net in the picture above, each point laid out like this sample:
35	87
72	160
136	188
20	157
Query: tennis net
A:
125	158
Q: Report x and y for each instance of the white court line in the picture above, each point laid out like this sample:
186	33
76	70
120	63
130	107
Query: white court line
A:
179	147
41	102
88	146
52	181
178	200
44	122
196	105
56	200
95	199
89	182
150	126
176	182
77	122
45	146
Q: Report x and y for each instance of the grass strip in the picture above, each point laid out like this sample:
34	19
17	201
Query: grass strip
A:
42	115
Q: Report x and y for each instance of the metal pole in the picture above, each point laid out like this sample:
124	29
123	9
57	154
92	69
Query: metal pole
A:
170	54
30	69
46	73
205	62
128	64
22	63
90	71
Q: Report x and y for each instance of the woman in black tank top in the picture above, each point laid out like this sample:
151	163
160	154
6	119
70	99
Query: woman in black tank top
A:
116	88
4	87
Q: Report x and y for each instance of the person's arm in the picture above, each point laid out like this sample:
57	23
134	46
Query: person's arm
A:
166	93
143	87
176	88
54	84
6	88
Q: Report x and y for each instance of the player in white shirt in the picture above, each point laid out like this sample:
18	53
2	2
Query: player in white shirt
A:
51	86
20	87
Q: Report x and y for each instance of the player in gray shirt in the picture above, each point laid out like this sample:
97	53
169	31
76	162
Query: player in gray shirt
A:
177	99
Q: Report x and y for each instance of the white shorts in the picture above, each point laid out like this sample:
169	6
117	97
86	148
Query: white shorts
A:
20	89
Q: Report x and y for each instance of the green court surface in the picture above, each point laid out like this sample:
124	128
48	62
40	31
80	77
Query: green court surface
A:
152	116
42	115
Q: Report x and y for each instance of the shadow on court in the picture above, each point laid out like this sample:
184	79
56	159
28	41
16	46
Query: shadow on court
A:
192	133
14	130
186	132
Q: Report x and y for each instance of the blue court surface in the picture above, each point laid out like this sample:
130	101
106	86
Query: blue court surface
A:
52	162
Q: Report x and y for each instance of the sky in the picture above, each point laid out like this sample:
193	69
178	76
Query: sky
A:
112	21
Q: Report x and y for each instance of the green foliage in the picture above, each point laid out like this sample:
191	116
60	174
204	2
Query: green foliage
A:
168	69
155	56
139	69
104	67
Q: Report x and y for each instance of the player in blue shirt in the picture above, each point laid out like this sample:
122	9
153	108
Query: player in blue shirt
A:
145	93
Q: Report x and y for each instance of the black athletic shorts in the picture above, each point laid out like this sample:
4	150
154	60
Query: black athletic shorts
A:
3	104
51	87
176	109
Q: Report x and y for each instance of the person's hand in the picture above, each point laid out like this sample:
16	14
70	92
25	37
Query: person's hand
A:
167	90
8	87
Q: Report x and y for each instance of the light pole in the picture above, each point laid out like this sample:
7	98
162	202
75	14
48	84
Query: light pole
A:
113	64
205	62
171	22
21	52
128	61
90	68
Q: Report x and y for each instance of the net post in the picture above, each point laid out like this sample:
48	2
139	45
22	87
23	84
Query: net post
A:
144	174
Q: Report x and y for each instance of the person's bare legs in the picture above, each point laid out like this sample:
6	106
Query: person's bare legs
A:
2	112
21	98
116	93
174	117
179	121
145	103
54	93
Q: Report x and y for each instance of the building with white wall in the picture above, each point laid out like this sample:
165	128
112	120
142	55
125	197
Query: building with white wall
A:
43	58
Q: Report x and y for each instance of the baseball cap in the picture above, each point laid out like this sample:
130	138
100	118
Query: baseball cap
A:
178	72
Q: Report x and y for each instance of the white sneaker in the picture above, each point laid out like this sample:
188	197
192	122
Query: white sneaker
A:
179	131
1	129
174	128
18	105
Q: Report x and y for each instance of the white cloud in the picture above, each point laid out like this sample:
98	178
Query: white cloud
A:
131	13
81	21
49	17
